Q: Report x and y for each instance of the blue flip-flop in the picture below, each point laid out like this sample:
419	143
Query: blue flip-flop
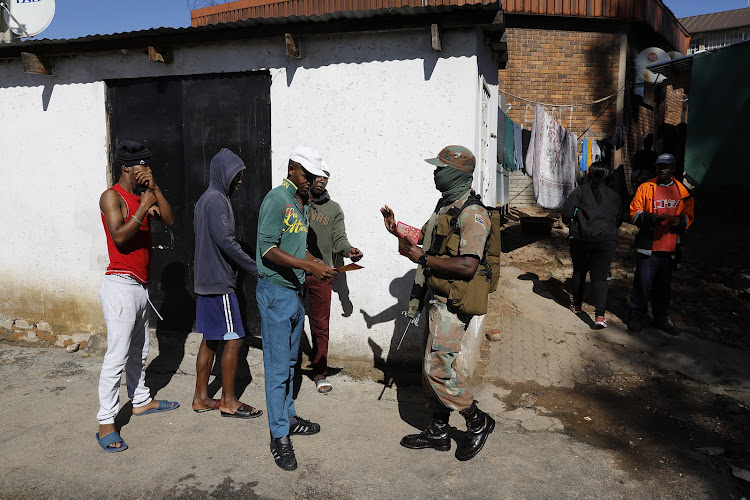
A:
163	406
111	438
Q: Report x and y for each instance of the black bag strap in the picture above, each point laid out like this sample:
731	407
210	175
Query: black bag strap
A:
455	212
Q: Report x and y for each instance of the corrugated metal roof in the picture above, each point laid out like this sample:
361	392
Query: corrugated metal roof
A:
340	21
726	20
248	9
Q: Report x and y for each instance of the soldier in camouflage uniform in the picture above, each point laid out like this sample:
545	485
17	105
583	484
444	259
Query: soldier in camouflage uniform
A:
445	389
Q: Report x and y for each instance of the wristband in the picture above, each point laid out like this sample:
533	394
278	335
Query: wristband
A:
136	219
422	260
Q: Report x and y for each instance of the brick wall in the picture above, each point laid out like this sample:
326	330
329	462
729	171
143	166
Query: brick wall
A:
674	105
575	67
560	67
639	114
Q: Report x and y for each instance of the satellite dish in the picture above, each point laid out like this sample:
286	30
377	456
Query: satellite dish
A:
647	57
27	19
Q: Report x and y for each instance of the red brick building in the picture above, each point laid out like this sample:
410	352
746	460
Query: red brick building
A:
578	52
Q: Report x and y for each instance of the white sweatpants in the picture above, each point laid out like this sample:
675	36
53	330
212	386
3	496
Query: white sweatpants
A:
126	310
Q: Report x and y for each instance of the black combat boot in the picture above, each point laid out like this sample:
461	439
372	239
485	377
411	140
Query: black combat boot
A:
479	425
434	436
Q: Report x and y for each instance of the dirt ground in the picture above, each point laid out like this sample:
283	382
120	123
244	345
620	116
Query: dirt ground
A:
680	436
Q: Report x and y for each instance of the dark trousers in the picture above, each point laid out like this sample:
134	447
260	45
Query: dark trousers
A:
319	295
593	258
653	278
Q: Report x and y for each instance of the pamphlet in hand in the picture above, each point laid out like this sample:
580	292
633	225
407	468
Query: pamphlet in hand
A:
411	232
349	267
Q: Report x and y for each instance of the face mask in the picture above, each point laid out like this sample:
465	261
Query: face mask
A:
452	183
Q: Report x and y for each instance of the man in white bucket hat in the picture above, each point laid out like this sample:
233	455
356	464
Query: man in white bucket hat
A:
283	261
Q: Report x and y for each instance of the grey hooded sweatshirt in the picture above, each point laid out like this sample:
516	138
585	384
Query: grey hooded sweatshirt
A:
217	253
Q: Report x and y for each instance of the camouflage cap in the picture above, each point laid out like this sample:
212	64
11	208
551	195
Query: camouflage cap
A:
454	156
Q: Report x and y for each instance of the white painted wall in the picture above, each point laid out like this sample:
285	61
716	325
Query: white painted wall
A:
52	171
375	105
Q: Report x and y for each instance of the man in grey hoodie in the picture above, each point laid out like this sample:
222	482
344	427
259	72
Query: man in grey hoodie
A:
217	257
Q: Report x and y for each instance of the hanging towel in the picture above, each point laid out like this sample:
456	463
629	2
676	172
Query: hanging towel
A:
584	156
596	153
501	137
605	150
510	160
620	136
551	160
518	146
525	140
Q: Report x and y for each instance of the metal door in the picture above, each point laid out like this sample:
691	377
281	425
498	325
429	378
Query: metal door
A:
185	121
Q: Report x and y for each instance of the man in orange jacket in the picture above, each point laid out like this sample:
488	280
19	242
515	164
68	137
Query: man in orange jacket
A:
662	208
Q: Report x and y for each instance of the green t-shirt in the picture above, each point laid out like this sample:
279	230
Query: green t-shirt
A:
282	223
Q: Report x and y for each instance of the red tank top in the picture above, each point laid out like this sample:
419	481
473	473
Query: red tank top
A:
134	256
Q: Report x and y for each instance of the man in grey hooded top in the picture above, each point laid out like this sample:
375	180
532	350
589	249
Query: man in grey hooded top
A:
217	258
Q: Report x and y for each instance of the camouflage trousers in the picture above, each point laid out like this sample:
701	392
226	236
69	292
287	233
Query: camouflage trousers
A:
443	386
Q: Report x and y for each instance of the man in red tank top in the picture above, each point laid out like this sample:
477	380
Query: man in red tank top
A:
126	211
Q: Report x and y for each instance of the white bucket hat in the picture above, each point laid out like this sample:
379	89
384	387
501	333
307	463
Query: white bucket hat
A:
309	159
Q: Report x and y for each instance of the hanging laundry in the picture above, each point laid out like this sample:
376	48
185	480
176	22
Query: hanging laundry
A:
605	149
620	136
525	140
510	160
589	155
518	146
501	137
584	155
596	154
551	160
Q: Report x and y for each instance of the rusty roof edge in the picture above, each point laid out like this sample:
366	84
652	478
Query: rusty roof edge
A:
663	6
674	18
263	28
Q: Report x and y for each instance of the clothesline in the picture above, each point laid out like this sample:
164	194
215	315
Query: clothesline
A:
597	118
562	105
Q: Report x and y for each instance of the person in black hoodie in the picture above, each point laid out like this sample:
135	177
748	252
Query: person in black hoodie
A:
217	257
594	212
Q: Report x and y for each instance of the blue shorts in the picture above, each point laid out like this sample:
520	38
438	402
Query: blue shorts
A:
217	317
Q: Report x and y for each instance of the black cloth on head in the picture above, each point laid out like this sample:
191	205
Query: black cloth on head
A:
130	153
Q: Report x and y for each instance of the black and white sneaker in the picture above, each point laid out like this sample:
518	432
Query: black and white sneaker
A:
302	427
283	453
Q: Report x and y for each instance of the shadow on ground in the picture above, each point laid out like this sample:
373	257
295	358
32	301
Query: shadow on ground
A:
400	367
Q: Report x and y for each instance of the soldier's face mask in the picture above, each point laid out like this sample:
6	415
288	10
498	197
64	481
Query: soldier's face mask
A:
451	182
